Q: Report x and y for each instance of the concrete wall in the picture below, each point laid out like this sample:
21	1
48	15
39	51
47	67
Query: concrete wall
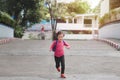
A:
110	31
6	32
35	35
48	35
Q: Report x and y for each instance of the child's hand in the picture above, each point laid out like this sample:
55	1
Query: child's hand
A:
68	47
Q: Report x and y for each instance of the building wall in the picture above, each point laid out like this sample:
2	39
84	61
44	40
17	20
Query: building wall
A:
6	32
79	20
110	31
105	7
78	36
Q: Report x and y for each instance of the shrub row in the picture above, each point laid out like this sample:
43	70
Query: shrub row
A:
6	19
110	17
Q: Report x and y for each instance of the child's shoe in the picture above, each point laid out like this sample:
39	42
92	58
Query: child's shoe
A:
58	69
63	76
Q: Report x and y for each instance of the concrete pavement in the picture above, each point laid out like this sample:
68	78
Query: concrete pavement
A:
31	60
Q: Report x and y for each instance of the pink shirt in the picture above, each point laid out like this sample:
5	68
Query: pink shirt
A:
59	47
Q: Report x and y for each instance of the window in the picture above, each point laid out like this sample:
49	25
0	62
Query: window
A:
87	21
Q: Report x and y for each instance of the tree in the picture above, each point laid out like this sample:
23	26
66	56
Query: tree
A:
3	5
6	19
96	10
78	7
24	10
52	7
61	9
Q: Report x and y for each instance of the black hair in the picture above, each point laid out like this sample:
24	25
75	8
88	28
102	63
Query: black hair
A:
60	32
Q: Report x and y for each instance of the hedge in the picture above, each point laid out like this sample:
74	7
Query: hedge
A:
6	19
110	17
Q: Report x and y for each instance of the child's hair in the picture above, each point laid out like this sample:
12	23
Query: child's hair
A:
60	32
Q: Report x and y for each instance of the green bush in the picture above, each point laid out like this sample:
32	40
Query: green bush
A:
102	21
18	31
6	19
109	17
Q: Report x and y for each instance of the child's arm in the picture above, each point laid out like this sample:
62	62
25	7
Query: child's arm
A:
67	45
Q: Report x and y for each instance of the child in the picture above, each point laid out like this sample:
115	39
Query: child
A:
59	52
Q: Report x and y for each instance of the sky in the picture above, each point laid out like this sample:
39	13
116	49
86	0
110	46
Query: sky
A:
93	3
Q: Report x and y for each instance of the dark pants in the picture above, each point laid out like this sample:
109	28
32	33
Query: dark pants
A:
61	60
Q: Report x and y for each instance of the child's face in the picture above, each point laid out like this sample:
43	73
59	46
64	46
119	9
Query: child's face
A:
60	37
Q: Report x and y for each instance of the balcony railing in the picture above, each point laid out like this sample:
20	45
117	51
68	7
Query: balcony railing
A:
71	26
88	25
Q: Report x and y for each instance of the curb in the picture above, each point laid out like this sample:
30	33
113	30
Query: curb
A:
111	43
4	41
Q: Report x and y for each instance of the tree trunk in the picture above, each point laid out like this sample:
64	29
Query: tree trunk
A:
53	23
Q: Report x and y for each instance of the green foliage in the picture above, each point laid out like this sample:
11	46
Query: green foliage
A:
31	36
105	19
6	19
101	21
68	9
78	7
109	17
18	31
61	9
113	13
2	5
24	10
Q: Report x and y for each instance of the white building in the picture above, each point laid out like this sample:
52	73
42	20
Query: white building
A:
107	5
83	26
6	32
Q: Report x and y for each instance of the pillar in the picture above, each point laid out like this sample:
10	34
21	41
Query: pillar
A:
73	20
93	26
83	20
67	20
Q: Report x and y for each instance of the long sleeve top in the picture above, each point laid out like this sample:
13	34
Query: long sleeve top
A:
59	47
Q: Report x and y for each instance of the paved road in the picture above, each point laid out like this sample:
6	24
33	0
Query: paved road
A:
31	60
